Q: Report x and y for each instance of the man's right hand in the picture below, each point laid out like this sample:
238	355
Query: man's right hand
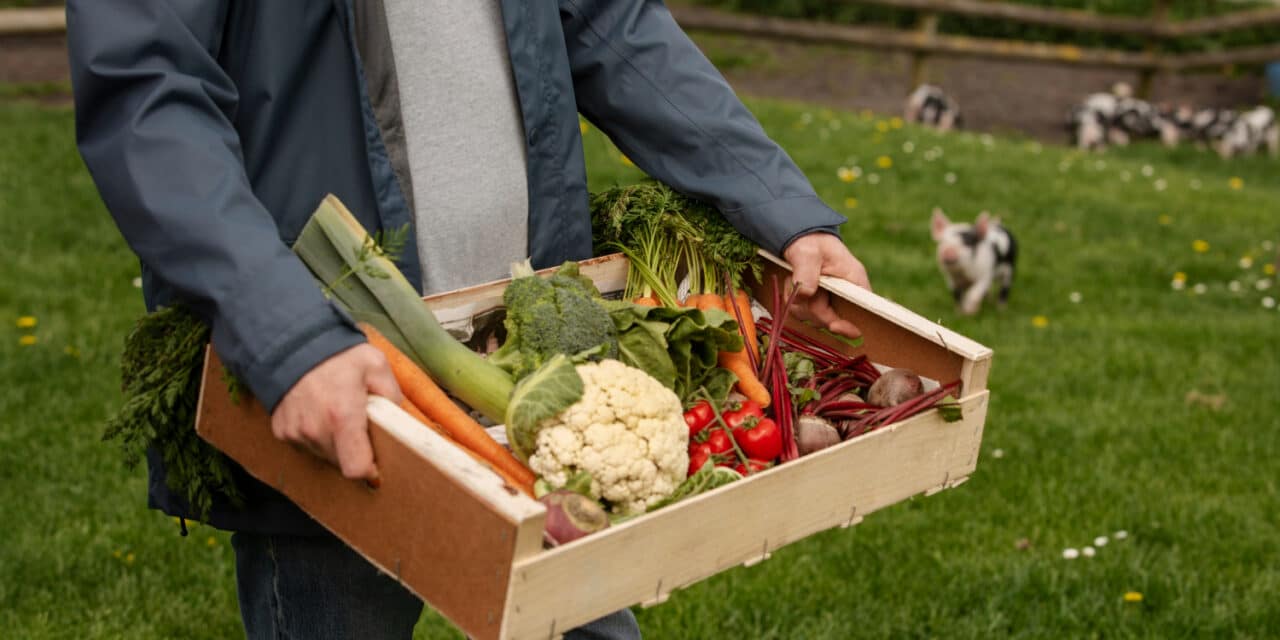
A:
324	412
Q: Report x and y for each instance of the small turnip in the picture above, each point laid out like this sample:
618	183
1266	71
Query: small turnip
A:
814	433
894	387
571	515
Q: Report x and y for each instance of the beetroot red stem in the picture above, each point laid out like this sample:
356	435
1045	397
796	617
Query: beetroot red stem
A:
780	312
850	405
737	314
918	404
820	357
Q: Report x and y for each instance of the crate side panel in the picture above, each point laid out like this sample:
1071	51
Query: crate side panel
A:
608	272
885	342
895	336
421	526
642	561
975	374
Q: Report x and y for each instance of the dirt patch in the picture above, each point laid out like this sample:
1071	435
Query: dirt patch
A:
1030	98
33	59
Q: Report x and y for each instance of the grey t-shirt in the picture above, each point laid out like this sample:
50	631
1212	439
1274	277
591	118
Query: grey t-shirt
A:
465	139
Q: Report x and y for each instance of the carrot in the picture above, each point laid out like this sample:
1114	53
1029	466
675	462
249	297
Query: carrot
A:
746	322
749	384
739	362
421	417
426	395
648	301
414	411
704	301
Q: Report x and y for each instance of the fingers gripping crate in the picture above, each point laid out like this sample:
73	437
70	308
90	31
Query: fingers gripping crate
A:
448	529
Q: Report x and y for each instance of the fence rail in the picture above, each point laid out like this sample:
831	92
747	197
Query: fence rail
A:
1157	26
21	22
1027	14
715	21
925	41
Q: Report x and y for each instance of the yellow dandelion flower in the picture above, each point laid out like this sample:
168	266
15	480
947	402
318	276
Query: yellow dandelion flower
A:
71	351
129	558
212	541
582	127
26	322
1200	246
1236	183
846	174
850	203
118	553
896	123
882	126
1269	269
627	161
1180	276
1040	322
884	162
1165	220
1132	596
27	341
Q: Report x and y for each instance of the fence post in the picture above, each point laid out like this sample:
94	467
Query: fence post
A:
927	27
1154	43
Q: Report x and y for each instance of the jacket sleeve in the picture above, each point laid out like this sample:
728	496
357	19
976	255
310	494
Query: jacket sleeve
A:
154	125
640	79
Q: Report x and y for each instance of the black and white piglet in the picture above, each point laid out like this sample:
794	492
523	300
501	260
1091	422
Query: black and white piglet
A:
928	105
974	258
1249	132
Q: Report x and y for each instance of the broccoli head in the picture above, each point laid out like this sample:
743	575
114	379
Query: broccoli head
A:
547	316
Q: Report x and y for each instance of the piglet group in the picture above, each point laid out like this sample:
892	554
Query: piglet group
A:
974	259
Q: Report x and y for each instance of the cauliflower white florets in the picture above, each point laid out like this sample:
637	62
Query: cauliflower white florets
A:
627	431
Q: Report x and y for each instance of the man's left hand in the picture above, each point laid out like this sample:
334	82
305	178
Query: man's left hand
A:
823	254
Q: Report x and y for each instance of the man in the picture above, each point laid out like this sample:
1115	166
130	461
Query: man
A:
213	128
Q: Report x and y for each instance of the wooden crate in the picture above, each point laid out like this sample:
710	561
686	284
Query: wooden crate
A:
447	527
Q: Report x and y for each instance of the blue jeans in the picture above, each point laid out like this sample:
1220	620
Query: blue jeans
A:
305	587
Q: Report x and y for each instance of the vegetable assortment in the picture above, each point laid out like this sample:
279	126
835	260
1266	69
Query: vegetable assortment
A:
612	408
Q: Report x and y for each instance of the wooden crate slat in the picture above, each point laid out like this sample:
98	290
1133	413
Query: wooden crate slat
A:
484	568
901	337
437	511
643	560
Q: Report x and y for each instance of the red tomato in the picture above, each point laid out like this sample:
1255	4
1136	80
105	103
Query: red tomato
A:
761	440
699	453
755	466
699	416
745	412
719	441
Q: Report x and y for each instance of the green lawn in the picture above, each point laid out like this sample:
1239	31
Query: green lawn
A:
1095	425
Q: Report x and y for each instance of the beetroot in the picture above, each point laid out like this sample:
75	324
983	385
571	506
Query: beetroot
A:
814	434
571	516
894	387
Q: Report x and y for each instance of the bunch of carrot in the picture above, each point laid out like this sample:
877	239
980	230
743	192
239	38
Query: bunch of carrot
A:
651	282
665	235
745	362
429	404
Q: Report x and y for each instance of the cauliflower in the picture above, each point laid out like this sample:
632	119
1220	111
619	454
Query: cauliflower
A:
627	431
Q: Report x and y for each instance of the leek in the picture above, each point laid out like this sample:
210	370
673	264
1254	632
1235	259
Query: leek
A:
359	276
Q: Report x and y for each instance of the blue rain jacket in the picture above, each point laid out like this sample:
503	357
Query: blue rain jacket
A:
213	128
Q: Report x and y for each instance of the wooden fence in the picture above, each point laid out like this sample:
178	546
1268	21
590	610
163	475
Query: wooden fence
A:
33	22
925	41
